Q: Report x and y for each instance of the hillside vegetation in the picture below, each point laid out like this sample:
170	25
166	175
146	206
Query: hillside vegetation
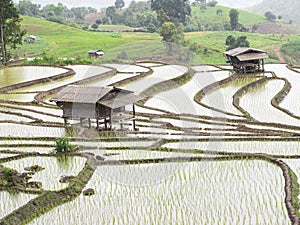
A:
291	51
238	4
63	41
288	9
212	44
210	20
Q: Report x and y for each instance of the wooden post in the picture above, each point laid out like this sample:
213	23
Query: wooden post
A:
133	122
263	65
65	121
105	123
97	121
3	42
90	125
110	122
81	122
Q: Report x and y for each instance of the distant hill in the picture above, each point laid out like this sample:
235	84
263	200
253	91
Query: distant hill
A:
98	4
211	20
105	3
288	9
238	4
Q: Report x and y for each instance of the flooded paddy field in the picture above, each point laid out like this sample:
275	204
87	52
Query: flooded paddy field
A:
210	147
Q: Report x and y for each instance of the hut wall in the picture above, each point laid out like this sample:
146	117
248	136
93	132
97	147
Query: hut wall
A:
119	110
103	111
79	110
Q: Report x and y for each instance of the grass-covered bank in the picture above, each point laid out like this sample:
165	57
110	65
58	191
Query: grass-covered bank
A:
212	44
65	41
60	41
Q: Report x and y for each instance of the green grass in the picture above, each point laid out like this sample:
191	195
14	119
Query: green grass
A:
115	28
215	43
291	51
64	41
246	18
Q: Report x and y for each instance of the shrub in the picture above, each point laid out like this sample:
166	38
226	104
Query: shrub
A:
270	16
95	26
212	3
62	145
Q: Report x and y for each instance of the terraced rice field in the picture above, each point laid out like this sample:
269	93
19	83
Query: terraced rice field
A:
212	147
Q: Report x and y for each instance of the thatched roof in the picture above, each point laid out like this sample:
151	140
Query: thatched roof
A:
32	37
110	97
245	54
96	52
115	100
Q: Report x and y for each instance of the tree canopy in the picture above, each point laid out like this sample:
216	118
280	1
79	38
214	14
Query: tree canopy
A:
110	12
232	42
270	16
234	18
170	32
119	4
176	10
10	28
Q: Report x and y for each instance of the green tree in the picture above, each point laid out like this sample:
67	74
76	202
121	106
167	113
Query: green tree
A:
176	10
26	7
232	42
80	12
105	20
270	16
119	4
242	42
234	19
98	21
95	26
110	12
170	32
162	16
212	3
10	28
151	28
219	11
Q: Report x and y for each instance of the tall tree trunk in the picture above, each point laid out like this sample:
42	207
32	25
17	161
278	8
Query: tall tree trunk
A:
3	47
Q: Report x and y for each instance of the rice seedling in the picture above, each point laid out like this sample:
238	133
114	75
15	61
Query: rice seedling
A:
237	191
191	194
53	171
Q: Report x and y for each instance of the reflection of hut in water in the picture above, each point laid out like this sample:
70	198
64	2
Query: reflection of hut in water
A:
246	60
106	104
31	39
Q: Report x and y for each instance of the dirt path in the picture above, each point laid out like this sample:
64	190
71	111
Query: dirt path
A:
279	54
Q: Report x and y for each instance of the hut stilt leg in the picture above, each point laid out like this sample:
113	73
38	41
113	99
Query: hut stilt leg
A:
90	125
65	121
110	123
133	122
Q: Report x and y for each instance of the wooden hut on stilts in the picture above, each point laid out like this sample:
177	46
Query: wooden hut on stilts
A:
246	60
104	104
